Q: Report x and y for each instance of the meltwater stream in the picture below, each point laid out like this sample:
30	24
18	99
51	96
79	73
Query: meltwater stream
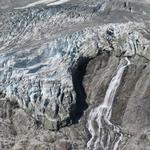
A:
105	135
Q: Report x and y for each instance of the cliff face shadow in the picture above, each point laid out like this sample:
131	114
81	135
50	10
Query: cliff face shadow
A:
78	73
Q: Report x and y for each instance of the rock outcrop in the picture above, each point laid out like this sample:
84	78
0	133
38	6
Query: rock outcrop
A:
56	63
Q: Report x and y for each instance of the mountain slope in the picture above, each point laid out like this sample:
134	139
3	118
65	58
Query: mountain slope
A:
58	64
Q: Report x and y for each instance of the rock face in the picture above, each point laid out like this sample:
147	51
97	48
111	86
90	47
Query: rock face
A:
56	65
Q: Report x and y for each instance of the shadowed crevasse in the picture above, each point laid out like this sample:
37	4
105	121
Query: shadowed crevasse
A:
77	76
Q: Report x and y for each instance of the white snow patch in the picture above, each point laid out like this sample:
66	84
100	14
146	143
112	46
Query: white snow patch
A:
45	2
